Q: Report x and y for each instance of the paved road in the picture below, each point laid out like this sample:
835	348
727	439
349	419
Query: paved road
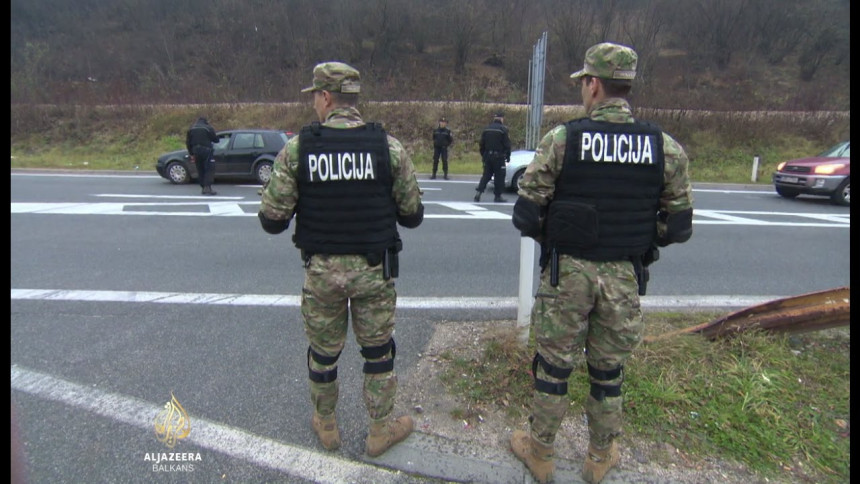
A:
128	291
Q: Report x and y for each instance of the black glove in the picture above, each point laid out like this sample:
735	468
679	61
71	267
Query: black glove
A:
413	220
652	255
272	226
526	217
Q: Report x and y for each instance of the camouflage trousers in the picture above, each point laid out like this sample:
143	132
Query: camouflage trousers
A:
596	307
335	287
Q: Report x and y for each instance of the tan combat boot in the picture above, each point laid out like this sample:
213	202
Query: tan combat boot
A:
326	429
598	462
384	434
535	455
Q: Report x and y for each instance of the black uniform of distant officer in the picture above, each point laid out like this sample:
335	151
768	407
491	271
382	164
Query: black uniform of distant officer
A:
198	142
495	149
442	139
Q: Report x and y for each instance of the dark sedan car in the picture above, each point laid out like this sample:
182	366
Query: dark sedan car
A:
239	153
827	174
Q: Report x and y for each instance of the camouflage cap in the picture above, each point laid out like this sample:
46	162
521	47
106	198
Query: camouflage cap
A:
335	77
608	61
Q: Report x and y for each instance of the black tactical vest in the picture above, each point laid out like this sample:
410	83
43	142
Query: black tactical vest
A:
344	179
608	193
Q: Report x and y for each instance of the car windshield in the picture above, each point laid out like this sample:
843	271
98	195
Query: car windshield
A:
842	150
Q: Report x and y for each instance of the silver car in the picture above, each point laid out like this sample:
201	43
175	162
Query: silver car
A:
515	168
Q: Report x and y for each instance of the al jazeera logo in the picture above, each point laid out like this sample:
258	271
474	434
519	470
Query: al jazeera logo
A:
172	425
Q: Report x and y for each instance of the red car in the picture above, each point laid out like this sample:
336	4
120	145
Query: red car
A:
828	174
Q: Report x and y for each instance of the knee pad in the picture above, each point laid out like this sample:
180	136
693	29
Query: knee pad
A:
553	371
599	390
605	375
324	376
374	352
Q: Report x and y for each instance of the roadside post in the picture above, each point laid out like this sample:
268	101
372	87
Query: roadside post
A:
537	78
755	169
526	293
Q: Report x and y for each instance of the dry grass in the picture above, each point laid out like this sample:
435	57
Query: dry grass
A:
778	403
721	146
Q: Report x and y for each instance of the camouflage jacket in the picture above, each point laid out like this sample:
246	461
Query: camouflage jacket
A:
538	181
281	194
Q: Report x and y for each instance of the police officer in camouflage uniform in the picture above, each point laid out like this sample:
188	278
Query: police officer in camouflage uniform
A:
602	193
349	185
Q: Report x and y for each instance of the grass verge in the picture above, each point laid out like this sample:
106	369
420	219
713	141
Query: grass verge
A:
721	146
778	403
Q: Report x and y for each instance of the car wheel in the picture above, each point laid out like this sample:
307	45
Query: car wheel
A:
787	192
177	174
515	180
263	172
842	195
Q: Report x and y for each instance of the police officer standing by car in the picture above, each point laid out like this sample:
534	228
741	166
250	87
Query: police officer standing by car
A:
442	139
349	184
600	195
198	142
495	148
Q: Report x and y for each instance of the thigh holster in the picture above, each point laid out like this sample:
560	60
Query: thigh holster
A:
553	371
325	376
600	391
374	352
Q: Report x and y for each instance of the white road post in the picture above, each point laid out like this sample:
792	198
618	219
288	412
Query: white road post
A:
755	169
527	276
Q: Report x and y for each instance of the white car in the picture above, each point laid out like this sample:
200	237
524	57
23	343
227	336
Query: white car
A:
515	168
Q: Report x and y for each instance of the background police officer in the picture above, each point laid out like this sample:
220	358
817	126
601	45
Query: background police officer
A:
349	185
198	142
442	139
599	194
495	147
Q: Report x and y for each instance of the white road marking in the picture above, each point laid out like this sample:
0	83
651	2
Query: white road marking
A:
711	190
167	197
736	217
467	210
88	175
648	302
222	438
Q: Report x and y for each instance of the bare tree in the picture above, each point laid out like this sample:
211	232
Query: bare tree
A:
571	25
814	54
712	29
641	28
216	50
779	27
464	27
606	13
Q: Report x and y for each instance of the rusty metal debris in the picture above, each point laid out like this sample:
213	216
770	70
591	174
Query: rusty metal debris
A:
796	314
